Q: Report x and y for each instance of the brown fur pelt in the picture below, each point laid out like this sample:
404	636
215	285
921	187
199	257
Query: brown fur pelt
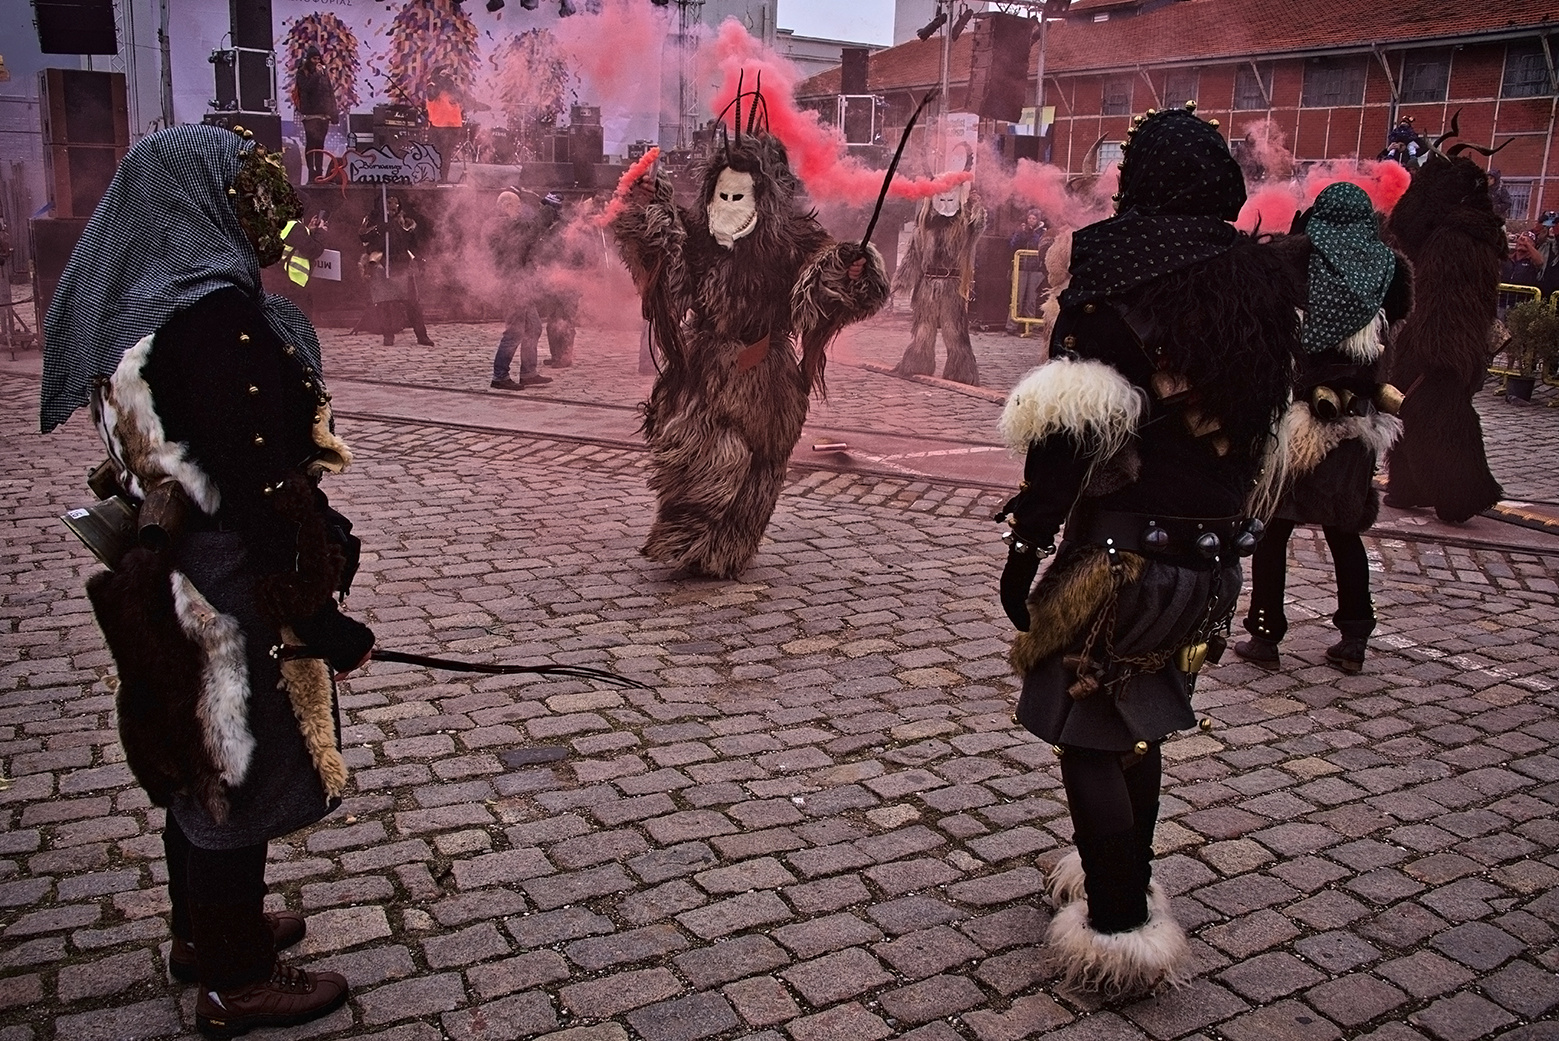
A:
731	397
1446	226
310	585
160	682
1074	589
939	303
312	694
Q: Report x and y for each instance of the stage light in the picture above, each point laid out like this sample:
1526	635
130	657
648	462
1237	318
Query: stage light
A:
963	20
929	29
565	8
495	5
530	5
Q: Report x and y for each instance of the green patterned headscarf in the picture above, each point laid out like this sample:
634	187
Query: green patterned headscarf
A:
1350	268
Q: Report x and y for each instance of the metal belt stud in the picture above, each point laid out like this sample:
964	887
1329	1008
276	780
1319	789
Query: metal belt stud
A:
1155	538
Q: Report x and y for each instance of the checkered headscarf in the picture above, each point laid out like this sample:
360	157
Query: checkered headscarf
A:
165	235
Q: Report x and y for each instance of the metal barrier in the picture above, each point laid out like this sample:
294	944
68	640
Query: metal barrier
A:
1513	296
1024	262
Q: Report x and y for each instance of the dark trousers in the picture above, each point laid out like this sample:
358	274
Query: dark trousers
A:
1269	571
314	130
1113	800
218	898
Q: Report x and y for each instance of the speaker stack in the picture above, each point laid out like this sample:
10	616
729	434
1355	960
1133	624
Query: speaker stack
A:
86	130
76	26
999	67
586	143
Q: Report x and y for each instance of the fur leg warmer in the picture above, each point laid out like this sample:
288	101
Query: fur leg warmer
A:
1138	961
1064	881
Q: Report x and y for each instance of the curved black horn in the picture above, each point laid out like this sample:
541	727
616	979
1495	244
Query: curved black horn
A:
1455	131
757	92
1480	149
737	122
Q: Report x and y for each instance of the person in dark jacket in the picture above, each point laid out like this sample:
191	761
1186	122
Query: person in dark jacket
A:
208	396
1339	426
525	222
392	249
1144	433
315	98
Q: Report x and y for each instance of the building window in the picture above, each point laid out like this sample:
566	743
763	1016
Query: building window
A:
1526	71
1179	87
1250	92
1425	75
1109	152
1117	97
1520	200
1330	82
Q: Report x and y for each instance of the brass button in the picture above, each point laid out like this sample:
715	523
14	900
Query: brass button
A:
243	337
1057	749
1089	309
253	390
289	350
266	489
258	440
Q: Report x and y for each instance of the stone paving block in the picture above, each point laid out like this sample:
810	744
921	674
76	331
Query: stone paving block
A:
934	998
817	936
761	1001
519	1015
760	873
828	894
369	965
672	862
837	977
408	999
1355	999
1425	974
1284	1021
1337	951
1029	1016
105	976
1461	1017
476	943
685	1019
1268	976
338	928
477	904
1478	945
919	954
624	948
553	891
841	1023
500	869
568	923
1009	927
608	996
156	1018
707	967
1194	1006
1523	989
1002	887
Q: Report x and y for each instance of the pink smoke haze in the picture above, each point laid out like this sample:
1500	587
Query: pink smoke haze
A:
817	151
1272	206
1064	201
639	168
614	52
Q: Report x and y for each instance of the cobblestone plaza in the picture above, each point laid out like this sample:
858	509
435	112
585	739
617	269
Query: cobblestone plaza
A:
821	822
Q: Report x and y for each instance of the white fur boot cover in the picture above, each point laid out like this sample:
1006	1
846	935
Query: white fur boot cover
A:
1118	965
1064	882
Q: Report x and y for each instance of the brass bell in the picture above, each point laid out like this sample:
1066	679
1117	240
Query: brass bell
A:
259	442
1014	719
243	337
1190	106
1141	748
1152	112
253	390
240	131
1325	403
1388	399
1190	658
232	191
1057	750
1155	538
1213	123
1244	544
1208	544
1206	724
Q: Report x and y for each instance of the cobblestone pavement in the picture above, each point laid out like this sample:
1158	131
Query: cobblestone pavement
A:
821	824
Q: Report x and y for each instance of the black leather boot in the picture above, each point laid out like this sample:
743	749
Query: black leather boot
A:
1348	653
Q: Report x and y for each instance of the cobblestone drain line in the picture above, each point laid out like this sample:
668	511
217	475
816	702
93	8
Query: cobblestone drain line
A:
822	823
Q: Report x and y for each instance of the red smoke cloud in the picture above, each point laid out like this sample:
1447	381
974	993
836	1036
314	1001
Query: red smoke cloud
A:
614	52
625	183
1272	206
1066	202
817	151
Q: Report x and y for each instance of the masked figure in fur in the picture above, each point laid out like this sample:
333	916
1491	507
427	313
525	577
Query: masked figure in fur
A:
729	285
1145	432
1446	227
938	274
1338	427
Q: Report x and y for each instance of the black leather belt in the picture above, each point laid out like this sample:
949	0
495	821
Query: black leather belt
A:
1197	541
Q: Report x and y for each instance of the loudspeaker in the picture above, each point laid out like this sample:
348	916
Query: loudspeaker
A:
1019	146
992	298
86	132
52	240
852	70
76	26
999	67
585	143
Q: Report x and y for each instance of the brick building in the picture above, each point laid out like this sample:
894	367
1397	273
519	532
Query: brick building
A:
1332	75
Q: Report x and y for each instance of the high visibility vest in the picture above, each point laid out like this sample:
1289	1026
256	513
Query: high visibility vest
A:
297	267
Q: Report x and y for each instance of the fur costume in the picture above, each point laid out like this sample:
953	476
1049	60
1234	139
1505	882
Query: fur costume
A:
731	398
1170	364
1446	227
938	273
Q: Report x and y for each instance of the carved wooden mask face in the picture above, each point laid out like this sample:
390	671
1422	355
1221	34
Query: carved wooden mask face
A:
733	208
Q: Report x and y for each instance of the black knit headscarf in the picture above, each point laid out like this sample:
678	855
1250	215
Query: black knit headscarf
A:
165	234
1179	188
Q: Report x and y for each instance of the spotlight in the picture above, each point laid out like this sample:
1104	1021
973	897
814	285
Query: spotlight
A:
660	3
529	5
565	8
495	5
963	20
928	30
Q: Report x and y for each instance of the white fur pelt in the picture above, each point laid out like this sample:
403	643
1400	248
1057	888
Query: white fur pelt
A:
1087	399
1058	274
1367	344
1139	961
223	708
1303	441
1064	883
127	420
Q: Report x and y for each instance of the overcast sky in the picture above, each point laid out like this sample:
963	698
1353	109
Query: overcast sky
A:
862	21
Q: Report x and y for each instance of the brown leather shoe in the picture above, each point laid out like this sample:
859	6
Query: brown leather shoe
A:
287	928
289	997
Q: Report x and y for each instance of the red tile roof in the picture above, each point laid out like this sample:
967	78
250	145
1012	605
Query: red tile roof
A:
1193	31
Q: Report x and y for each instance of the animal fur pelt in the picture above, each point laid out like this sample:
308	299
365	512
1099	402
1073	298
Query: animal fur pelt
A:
731	397
943	247
1139	961
1446	226
1074	589
1058	262
312	694
1329	468
183	682
1090	400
